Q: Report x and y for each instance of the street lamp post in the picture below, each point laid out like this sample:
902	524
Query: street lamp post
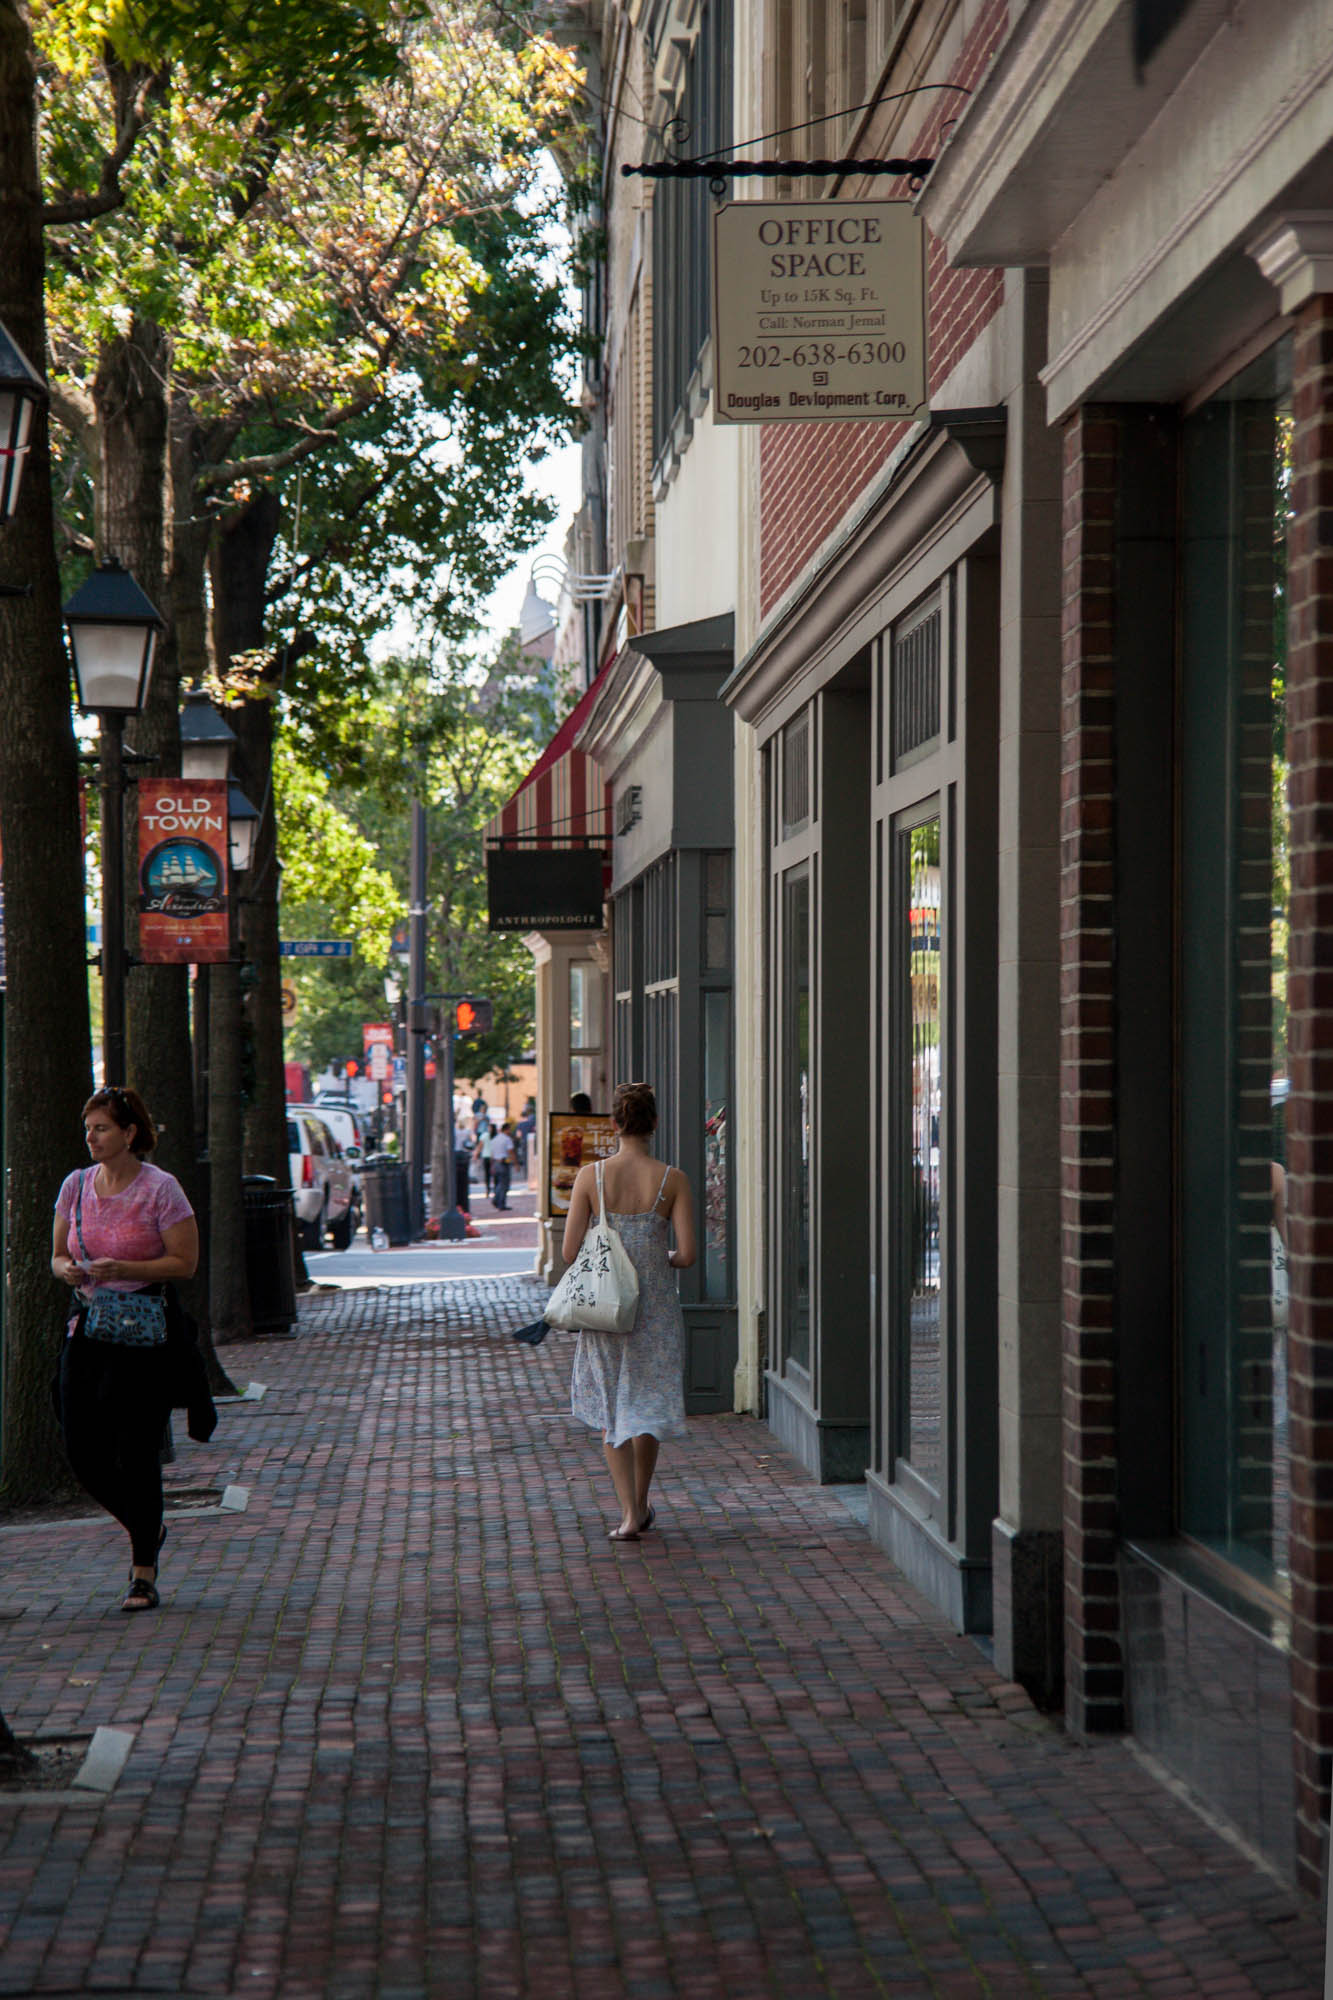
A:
207	746
113	632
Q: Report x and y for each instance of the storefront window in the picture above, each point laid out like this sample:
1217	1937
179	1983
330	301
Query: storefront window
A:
795	1179
919	850
1234	872
717	1104
585	1028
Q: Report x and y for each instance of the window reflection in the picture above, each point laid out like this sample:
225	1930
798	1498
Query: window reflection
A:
797	1108
925	1081
1235	872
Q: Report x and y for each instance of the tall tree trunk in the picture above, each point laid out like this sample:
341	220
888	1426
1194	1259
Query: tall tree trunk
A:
130	398
229	1297
47	1072
240	576
240	559
187	598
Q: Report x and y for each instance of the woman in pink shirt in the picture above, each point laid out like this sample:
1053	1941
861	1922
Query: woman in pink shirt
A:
122	1228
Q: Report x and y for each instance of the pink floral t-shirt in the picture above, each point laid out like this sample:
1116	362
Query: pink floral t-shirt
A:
128	1224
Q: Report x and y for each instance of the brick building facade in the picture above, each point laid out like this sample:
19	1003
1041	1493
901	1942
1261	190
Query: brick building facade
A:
1009	1075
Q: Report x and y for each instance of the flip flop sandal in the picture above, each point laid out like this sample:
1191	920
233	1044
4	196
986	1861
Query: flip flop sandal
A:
141	1595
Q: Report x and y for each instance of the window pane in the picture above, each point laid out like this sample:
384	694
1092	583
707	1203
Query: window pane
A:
796	1117
919	851
717	1098
585	1007
1232	1002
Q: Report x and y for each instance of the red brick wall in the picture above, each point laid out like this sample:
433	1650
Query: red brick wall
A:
1310	1042
811	473
1094	1665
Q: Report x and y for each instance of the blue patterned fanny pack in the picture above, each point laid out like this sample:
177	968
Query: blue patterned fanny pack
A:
131	1319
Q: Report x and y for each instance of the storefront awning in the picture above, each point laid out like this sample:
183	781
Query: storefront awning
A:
564	801
546	849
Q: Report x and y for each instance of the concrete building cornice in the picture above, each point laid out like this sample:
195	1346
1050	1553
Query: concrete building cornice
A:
623	710
1056	113
1296	255
955	460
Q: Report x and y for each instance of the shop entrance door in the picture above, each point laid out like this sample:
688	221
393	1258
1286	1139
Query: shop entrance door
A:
933	899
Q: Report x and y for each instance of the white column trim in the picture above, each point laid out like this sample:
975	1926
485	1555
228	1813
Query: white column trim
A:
1296	255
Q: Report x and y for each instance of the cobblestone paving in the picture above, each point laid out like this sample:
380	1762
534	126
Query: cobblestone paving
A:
411	1726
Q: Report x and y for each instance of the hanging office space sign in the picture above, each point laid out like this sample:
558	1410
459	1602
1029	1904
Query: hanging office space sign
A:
819	311
183	916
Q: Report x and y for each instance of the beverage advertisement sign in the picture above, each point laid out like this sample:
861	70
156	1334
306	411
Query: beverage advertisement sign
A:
183	914
573	1140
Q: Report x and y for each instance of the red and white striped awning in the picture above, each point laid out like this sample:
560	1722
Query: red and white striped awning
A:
564	801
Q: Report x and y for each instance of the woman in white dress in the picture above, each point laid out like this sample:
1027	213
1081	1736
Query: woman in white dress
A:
630	1386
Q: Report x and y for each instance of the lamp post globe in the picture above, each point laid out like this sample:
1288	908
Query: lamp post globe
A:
207	742
242	830
113	632
22	391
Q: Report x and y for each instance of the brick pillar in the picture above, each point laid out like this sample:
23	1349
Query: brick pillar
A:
1094	1665
1309	1119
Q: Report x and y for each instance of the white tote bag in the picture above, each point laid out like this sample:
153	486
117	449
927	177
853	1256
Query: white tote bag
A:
599	1293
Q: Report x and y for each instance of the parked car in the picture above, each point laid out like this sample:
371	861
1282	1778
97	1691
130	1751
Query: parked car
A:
347	1128
321	1179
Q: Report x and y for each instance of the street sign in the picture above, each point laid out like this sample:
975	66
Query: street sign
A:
376	1031
380	1061
315	948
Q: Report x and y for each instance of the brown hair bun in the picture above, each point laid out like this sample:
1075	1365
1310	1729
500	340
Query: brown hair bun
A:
634	1108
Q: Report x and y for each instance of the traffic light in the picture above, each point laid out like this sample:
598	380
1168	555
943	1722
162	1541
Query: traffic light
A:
472	1017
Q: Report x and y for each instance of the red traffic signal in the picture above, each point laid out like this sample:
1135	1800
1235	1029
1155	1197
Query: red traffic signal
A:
351	1069
472	1017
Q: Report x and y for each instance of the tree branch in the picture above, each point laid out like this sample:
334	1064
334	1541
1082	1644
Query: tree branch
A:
315	438
133	113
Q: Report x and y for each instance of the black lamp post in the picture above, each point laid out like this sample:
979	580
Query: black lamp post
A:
113	632
207	745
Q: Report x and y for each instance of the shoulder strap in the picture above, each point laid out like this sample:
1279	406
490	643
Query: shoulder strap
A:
78	1212
601	1199
662	1190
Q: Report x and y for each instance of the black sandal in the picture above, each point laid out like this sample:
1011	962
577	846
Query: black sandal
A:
141	1595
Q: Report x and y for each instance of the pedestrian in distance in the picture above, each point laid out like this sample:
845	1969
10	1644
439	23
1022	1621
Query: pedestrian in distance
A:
581	1104
630	1386
122	1229
462	1168
485	1139
502	1164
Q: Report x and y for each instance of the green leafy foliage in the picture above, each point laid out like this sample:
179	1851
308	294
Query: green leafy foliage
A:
461	730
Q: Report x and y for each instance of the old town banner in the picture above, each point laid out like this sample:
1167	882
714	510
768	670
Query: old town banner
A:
183	913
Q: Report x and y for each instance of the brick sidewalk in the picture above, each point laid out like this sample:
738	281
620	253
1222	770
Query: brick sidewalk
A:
410	1726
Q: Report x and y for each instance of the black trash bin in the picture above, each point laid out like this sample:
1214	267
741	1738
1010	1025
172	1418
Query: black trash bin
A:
270	1270
384	1191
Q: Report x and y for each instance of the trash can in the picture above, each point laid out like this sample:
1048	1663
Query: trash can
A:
270	1272
384	1192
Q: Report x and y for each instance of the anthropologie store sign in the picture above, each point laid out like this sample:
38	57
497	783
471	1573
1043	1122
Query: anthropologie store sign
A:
819	311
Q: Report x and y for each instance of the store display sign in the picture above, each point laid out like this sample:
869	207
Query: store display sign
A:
183	913
545	888
819	311
573	1139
